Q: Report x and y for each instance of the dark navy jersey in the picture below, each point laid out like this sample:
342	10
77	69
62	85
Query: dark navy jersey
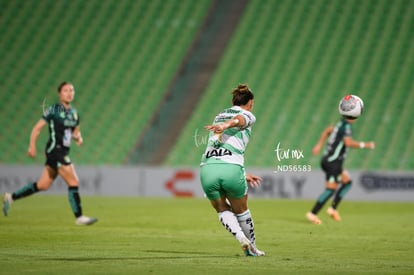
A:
61	123
336	149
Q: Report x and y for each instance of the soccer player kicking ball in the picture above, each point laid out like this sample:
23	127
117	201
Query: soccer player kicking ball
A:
222	173
339	140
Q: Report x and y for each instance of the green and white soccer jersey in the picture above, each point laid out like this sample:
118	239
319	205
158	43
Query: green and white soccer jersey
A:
229	147
61	123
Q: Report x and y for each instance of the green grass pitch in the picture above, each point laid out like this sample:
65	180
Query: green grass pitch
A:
184	236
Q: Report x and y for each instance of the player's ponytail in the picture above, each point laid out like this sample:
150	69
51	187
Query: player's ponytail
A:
241	95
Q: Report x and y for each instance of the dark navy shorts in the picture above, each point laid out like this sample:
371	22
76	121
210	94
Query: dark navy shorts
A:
57	158
333	169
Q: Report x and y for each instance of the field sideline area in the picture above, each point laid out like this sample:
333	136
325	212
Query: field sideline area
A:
184	236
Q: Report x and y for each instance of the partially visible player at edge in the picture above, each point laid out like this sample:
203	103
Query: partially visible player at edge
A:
63	121
339	140
222	172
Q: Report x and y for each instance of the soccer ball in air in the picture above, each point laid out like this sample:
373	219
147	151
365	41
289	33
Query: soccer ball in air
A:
351	106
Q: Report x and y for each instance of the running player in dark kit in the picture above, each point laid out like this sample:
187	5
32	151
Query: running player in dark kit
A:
339	140
63	121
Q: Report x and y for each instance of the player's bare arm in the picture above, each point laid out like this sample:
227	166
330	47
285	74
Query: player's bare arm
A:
325	134
34	135
237	121
77	136
349	142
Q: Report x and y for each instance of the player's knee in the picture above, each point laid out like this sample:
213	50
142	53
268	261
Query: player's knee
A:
345	177
43	185
331	185
220	205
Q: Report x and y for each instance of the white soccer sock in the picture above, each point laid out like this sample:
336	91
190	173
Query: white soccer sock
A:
246	223
230	223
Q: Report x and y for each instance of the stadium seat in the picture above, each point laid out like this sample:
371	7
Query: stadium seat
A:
300	58
120	56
